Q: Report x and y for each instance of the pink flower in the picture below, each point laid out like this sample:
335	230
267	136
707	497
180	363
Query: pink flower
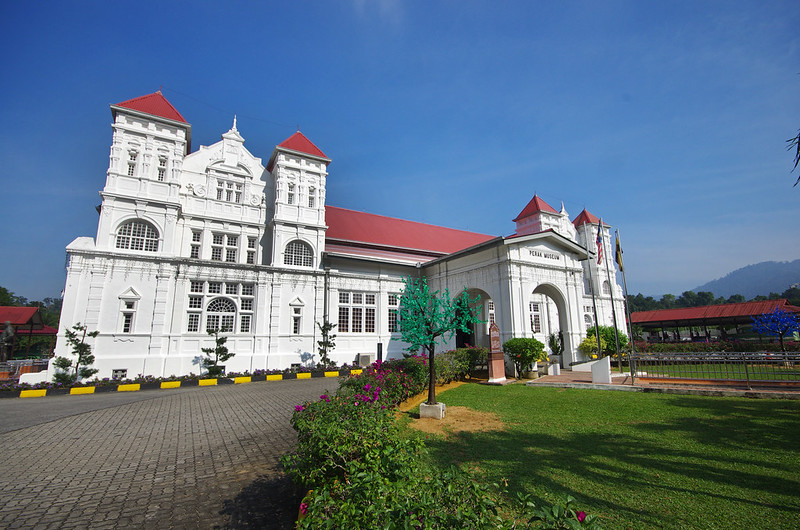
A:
304	508
581	516
298	408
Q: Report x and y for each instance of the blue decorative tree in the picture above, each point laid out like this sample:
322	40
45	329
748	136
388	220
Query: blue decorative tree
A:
778	323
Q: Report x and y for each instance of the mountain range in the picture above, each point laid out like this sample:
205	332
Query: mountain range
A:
757	279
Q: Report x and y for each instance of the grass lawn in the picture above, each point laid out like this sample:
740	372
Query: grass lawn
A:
638	460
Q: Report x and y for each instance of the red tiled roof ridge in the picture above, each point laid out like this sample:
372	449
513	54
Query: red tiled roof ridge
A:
155	104
536	205
355	227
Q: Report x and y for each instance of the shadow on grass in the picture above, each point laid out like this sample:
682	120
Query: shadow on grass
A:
692	469
270	501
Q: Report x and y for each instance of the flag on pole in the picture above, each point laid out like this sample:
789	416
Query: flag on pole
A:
618	256
599	242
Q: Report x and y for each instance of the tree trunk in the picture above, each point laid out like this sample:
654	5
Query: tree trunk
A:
431	376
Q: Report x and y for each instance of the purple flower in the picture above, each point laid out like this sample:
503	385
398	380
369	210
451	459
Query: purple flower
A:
298	408
367	387
581	516
304	508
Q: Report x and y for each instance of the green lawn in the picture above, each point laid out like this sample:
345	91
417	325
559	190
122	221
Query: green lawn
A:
638	460
723	371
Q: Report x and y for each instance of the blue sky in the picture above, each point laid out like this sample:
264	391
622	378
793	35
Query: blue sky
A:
668	119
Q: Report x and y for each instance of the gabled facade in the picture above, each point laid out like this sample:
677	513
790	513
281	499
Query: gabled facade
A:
191	241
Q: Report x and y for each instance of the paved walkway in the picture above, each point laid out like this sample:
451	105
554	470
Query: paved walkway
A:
189	458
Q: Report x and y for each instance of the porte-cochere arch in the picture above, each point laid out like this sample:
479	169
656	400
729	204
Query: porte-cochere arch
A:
559	323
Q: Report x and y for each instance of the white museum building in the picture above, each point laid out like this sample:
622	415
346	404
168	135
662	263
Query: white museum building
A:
215	238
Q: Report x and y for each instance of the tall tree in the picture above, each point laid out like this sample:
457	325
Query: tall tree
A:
424	316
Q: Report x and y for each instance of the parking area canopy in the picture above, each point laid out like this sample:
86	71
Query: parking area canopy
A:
710	315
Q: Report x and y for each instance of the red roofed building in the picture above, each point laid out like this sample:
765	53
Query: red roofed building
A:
668	322
189	241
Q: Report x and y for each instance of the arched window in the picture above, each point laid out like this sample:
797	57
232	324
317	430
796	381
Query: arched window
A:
298	254
606	287
220	314
587	319
137	235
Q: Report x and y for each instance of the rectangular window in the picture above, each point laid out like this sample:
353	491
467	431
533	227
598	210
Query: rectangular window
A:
536	319
131	169
251	242
251	257
247	304
247	289
369	320
490	312
296	314
230	255
344	319
212	321
231	288
244	324
193	325
290	195
312	193
217	241
392	313
238	194
227	323
127	322
196	286
216	253
357	315
214	287
195	247
357	312
195	302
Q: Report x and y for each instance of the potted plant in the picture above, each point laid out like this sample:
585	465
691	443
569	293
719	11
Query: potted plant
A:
525	353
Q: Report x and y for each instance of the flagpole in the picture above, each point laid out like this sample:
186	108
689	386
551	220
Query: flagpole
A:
591	291
627	306
613	309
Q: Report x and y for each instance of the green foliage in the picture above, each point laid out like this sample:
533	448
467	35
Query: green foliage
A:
555	343
326	345
607	336
218	354
424	316
588	346
364	473
472	356
720	346
76	338
523	352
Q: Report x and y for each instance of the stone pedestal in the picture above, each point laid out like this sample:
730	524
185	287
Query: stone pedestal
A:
497	361
601	371
432	411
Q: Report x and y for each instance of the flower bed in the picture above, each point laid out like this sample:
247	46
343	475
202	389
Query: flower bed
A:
362	472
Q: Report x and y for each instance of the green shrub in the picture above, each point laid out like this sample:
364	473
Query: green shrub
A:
610	341
523	352
588	346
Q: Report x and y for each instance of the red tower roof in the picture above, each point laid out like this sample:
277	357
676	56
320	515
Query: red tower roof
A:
155	104
586	217
535	206
298	142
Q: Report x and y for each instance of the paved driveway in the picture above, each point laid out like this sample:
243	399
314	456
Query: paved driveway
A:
188	458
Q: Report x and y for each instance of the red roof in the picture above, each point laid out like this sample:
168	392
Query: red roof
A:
535	206
20	316
586	217
712	312
155	104
298	142
352	227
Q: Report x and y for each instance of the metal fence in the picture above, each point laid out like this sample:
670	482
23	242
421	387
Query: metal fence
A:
762	369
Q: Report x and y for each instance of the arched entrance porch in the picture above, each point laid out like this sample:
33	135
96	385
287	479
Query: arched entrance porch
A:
479	335
548	313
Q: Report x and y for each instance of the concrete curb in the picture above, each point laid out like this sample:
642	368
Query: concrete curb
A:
163	385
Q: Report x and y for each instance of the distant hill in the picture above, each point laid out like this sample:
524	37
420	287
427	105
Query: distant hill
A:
757	279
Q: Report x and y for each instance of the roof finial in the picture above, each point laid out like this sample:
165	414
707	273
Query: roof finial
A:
159	88
298	127
234	121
